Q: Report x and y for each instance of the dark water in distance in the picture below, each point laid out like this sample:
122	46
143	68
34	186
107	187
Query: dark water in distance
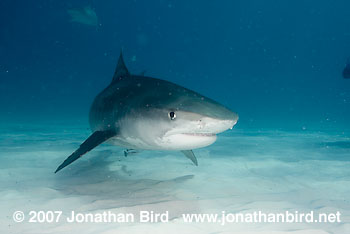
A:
278	64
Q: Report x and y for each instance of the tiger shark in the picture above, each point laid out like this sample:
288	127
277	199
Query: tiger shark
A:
144	113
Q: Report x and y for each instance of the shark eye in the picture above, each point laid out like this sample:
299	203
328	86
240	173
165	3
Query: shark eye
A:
172	115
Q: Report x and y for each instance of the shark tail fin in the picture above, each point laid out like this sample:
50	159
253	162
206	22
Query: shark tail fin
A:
189	154
94	140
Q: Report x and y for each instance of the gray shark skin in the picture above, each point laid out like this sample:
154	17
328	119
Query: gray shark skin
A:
139	112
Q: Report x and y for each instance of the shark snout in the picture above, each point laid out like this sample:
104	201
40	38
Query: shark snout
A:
214	126
212	118
219	119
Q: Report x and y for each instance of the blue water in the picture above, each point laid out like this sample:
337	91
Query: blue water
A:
278	64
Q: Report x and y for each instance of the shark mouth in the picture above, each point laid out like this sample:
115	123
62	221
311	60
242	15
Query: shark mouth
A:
200	134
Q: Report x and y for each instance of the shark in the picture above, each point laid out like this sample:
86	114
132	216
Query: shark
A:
137	112
86	15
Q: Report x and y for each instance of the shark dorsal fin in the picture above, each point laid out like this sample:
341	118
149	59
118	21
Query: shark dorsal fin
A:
121	71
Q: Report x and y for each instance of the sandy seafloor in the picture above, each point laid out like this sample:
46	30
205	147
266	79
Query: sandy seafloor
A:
244	171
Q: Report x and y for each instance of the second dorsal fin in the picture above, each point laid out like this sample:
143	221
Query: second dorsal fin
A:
121	71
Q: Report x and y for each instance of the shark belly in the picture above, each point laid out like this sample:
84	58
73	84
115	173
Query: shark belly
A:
176	142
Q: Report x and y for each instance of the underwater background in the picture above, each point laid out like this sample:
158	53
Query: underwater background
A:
278	64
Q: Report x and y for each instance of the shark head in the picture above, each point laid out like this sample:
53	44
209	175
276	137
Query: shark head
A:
172	117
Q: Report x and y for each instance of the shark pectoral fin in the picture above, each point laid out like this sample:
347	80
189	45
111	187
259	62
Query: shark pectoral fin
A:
189	154
94	140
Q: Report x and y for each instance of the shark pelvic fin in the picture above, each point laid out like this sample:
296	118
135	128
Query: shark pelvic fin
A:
189	154
94	140
129	151
121	71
